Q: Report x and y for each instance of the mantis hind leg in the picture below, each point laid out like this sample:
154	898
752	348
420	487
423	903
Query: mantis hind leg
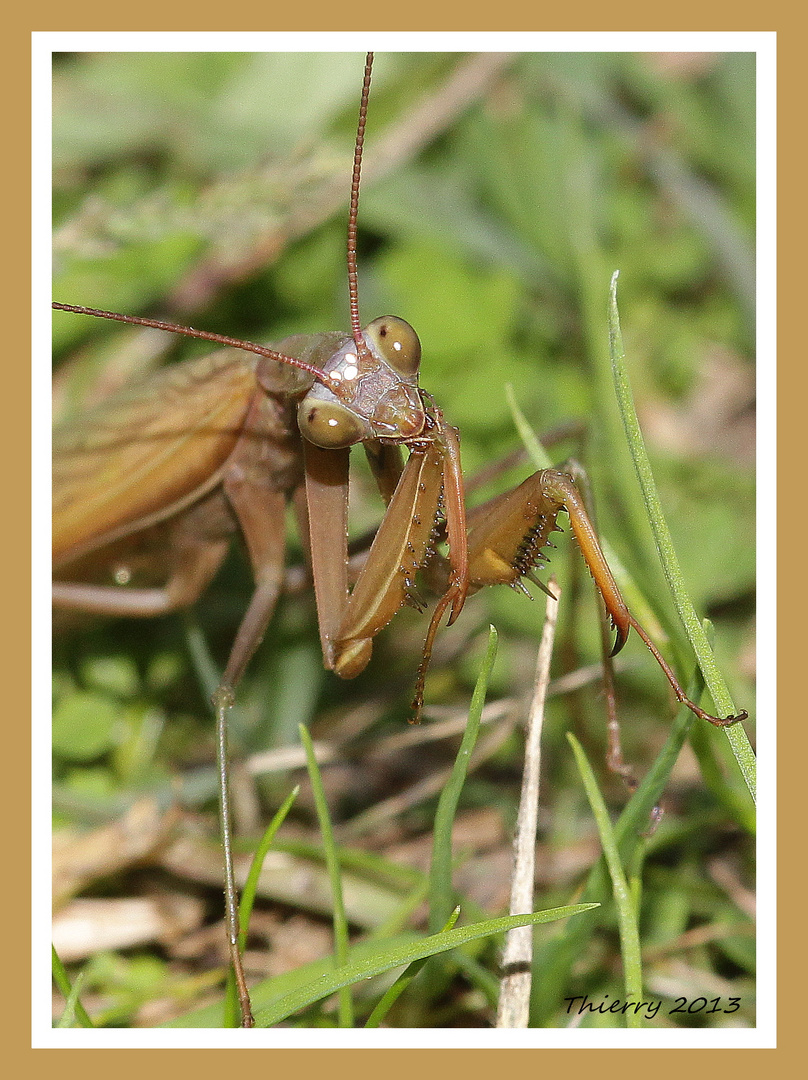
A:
169	565
260	511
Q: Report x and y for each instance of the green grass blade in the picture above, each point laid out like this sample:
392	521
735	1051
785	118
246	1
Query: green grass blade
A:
626	909
538	455
251	884
248	899
68	1017
555	958
440	899
670	564
346	1014
402	982
399	955
74	1010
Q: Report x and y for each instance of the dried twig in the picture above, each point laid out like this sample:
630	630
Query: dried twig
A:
514	997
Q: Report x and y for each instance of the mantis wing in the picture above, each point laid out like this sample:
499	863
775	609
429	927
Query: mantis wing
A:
138	457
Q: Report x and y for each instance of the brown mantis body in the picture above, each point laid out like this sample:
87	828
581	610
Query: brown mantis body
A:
150	488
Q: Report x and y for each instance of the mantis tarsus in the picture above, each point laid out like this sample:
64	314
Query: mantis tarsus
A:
132	485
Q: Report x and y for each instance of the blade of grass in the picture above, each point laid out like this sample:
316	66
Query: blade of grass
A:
386	959
670	564
346	1013
538	455
626	909
248	899
556	957
73	1005
440	895
714	757
265	993
402	982
68	1017
251	884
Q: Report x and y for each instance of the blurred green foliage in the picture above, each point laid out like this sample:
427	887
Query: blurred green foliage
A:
183	188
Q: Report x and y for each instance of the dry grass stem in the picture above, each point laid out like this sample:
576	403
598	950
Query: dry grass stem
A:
514	997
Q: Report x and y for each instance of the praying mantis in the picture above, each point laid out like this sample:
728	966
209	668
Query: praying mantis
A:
249	459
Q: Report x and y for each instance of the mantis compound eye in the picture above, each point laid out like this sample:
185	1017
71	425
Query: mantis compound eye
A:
395	341
329	424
